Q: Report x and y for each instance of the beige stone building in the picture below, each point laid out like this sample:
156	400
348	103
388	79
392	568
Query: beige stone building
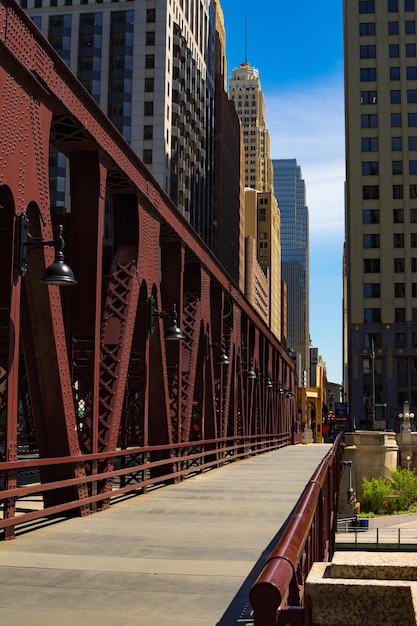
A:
381	210
262	217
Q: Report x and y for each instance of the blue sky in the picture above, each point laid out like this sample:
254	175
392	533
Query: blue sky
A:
298	50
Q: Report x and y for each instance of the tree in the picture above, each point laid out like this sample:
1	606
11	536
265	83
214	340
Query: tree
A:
376	493
404	488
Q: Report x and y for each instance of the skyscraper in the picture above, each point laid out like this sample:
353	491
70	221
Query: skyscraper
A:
290	192
151	67
262	217
381	209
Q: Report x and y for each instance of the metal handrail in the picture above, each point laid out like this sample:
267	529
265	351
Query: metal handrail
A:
126	471
309	536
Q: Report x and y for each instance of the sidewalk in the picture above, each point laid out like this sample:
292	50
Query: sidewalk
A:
182	555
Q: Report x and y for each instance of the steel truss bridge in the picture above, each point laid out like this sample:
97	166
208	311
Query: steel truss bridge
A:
93	399
95	402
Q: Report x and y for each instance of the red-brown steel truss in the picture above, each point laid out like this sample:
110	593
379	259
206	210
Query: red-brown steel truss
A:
85	370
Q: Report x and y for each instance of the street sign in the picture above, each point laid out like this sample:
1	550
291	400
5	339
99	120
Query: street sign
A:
341	409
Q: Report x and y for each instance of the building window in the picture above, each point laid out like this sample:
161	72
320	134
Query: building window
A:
149	61
367	29
371	266
409	5
394	73
147	132
371	290
394	50
369	144
414	264
397	192
370	216
410	49
398	216
412	167
413	240
150	16
412	119
399	314
367	52
399	265
399	290
400	340
371	315
149	85
148	107
413	192
410	27
393	28
147	157
150	38
366	6
370	168
413	216
414	290
411	73
372	340
262	215
370	192
398	240
396	144
412	143
395	96
395	120
370	120
397	168
368	74
371	240
392	6
368	97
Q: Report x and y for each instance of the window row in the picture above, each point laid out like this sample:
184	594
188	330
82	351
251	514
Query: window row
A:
369	51
370	97
372	240
373	266
368	74
370	144
371	168
371	192
368	6
371	216
375	340
373	290
368	29
370	120
373	315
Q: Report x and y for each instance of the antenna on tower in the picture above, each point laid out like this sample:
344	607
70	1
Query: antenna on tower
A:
246	38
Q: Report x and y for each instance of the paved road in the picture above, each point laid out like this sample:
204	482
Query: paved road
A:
182	555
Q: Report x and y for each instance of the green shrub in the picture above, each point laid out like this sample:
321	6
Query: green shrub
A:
376	494
404	489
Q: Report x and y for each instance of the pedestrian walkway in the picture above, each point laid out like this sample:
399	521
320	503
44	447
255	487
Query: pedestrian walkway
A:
181	555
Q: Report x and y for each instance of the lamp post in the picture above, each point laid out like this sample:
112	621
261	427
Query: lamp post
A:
373	386
406	416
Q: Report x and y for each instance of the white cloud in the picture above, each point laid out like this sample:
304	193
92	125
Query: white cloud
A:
306	122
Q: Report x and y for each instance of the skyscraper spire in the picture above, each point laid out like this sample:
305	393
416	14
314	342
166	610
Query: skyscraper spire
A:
246	39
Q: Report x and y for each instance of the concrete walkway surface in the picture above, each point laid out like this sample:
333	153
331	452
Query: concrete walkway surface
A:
181	555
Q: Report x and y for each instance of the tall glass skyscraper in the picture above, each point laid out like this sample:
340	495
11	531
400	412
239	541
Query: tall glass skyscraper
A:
290	191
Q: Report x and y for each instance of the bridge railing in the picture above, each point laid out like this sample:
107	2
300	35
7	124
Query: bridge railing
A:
132	471
277	597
